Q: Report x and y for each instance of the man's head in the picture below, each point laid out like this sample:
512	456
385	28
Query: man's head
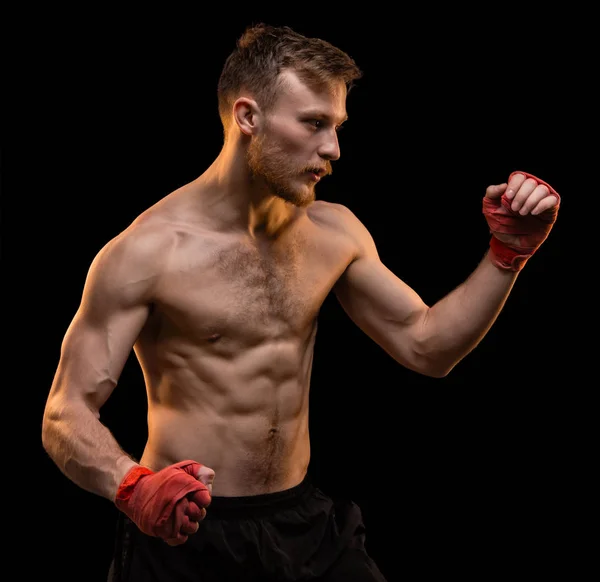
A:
286	93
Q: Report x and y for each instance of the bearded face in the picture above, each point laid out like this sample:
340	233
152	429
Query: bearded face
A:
271	160
297	139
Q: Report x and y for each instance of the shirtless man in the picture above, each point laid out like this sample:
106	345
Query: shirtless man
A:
217	288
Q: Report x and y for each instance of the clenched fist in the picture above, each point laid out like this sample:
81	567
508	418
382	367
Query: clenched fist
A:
168	504
520	214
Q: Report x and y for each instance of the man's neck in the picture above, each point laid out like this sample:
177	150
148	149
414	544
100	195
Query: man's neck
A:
237	202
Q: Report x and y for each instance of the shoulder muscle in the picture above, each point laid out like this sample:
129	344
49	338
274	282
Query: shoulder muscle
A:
126	269
342	220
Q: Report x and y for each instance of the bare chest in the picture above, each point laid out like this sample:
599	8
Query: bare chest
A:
224	287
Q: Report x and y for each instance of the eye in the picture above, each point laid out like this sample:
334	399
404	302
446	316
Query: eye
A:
322	124
316	123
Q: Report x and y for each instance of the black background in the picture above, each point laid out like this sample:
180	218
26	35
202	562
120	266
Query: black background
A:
471	475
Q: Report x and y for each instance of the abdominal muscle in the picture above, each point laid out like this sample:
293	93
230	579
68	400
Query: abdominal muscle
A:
240	410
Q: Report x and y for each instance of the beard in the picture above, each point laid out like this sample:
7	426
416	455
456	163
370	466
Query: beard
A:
268	162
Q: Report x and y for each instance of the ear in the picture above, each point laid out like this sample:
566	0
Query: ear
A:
246	114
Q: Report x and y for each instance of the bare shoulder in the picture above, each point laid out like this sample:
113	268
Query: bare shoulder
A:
336	216
134	259
342	220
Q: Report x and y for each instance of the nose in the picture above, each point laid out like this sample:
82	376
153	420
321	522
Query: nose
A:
330	147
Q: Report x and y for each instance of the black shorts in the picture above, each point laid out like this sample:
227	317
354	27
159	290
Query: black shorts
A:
294	535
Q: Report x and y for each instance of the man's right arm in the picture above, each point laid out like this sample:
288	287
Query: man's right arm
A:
95	348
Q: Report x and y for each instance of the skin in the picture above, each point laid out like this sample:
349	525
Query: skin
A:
217	289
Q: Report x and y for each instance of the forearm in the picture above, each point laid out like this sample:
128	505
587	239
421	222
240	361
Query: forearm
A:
456	324
84	449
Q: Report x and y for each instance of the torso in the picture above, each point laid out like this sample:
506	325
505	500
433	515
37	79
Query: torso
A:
228	347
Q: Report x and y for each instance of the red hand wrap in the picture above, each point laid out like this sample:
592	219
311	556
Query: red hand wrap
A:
162	503
531	229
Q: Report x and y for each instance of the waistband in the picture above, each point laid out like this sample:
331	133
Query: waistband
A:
256	505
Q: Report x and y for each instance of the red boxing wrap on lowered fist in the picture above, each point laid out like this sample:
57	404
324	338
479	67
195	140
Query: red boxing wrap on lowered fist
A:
162	503
531	229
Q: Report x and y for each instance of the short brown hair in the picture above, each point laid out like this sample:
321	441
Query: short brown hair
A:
262	52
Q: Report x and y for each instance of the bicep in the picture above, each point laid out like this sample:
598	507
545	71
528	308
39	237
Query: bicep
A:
94	351
382	305
100	338
375	298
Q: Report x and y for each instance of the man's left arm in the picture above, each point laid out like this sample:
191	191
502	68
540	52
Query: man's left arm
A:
433	340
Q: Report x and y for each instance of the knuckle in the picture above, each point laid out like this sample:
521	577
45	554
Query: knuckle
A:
531	182
543	189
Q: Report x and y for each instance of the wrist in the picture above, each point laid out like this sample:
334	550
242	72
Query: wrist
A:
506	257
127	477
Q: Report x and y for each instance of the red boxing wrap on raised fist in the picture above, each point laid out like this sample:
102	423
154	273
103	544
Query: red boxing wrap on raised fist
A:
531	229
165	503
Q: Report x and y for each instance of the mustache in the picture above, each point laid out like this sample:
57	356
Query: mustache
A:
323	170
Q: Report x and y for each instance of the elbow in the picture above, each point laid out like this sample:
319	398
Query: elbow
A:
50	421
421	352
438	371
432	362
426	365
434	368
54	423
